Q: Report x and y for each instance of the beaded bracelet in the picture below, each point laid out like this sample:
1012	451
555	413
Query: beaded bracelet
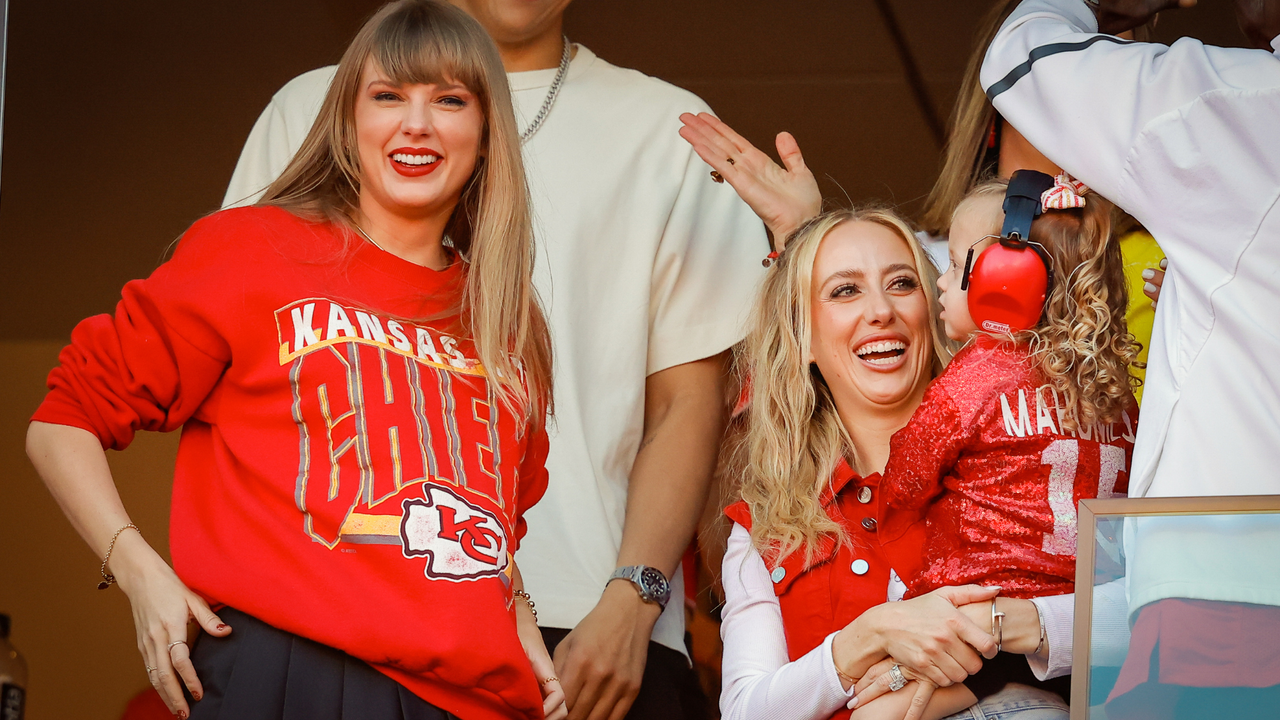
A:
107	578
528	601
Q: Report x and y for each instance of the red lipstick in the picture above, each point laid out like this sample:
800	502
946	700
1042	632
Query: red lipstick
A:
412	169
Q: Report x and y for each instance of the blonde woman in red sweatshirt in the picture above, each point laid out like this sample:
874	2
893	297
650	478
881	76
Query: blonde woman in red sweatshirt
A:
362	373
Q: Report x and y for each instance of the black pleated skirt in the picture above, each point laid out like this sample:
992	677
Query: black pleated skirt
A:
259	672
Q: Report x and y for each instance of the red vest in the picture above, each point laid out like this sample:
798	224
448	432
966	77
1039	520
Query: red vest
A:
824	598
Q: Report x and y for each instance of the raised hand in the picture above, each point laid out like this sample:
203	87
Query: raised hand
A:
1116	16
783	197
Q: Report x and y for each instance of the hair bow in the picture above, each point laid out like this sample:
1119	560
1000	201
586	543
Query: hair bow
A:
1065	194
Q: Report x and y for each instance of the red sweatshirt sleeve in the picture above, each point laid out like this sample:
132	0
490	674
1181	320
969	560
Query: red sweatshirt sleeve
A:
921	453
533	480
151	364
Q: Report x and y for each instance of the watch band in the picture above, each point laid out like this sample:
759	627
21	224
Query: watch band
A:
649	582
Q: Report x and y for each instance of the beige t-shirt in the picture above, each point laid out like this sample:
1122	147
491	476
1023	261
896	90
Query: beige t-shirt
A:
644	263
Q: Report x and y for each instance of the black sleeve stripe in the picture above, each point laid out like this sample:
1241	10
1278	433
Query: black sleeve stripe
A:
1042	52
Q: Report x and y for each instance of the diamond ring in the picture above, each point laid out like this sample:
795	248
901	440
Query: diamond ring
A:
897	680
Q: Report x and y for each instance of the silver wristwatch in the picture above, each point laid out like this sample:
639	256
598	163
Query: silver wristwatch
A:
650	582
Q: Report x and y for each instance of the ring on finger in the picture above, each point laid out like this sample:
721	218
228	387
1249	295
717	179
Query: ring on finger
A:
178	642
550	680
897	680
150	669
717	176
730	161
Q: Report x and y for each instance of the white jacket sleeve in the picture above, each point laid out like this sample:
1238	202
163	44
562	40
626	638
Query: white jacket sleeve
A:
1085	100
758	682
1110	636
277	135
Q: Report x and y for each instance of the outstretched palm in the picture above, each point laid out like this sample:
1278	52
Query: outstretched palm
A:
783	197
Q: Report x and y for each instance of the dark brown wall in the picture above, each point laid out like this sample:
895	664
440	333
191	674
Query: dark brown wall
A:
125	119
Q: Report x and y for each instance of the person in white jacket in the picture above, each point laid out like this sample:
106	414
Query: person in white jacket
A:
1186	138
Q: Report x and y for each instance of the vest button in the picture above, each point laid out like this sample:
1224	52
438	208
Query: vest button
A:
869	524
864	494
778	574
860	567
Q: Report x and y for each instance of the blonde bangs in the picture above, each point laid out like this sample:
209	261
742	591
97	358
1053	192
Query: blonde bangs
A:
413	50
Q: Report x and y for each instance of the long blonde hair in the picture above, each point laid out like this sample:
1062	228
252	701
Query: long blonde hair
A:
426	41
794	438
1082	344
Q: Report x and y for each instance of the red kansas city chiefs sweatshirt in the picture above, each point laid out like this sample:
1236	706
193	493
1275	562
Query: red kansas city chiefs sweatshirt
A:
345	471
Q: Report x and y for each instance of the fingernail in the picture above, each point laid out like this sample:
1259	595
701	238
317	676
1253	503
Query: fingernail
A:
1164	263
1149	288
223	626
197	695
1148	274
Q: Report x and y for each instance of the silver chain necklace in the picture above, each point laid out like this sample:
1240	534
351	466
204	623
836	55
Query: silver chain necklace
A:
551	94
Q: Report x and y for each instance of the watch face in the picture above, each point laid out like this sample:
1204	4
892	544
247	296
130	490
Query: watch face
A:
653	582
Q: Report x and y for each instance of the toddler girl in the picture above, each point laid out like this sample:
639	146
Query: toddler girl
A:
1022	424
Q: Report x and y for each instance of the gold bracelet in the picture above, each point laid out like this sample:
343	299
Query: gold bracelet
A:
528	601
107	578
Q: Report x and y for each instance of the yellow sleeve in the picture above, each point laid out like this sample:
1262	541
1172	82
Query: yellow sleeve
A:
1140	252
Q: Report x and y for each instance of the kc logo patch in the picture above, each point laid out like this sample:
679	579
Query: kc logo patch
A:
460	541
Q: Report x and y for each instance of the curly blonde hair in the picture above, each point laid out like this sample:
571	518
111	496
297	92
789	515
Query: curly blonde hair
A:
793	437
1082	344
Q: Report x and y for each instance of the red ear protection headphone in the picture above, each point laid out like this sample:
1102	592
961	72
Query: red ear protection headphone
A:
1009	281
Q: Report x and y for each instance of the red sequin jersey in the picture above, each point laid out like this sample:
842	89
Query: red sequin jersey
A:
986	464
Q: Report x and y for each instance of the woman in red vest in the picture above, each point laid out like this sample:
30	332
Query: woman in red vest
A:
844	344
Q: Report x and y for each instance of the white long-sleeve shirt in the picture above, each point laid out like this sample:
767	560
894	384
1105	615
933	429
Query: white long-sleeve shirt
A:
758	682
1187	139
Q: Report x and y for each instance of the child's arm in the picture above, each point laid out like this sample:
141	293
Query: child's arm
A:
922	453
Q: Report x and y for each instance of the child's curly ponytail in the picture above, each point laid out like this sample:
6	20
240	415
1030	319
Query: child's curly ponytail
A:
1083	345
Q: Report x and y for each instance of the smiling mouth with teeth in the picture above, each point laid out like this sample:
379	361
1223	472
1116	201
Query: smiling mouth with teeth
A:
408	159
884	352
